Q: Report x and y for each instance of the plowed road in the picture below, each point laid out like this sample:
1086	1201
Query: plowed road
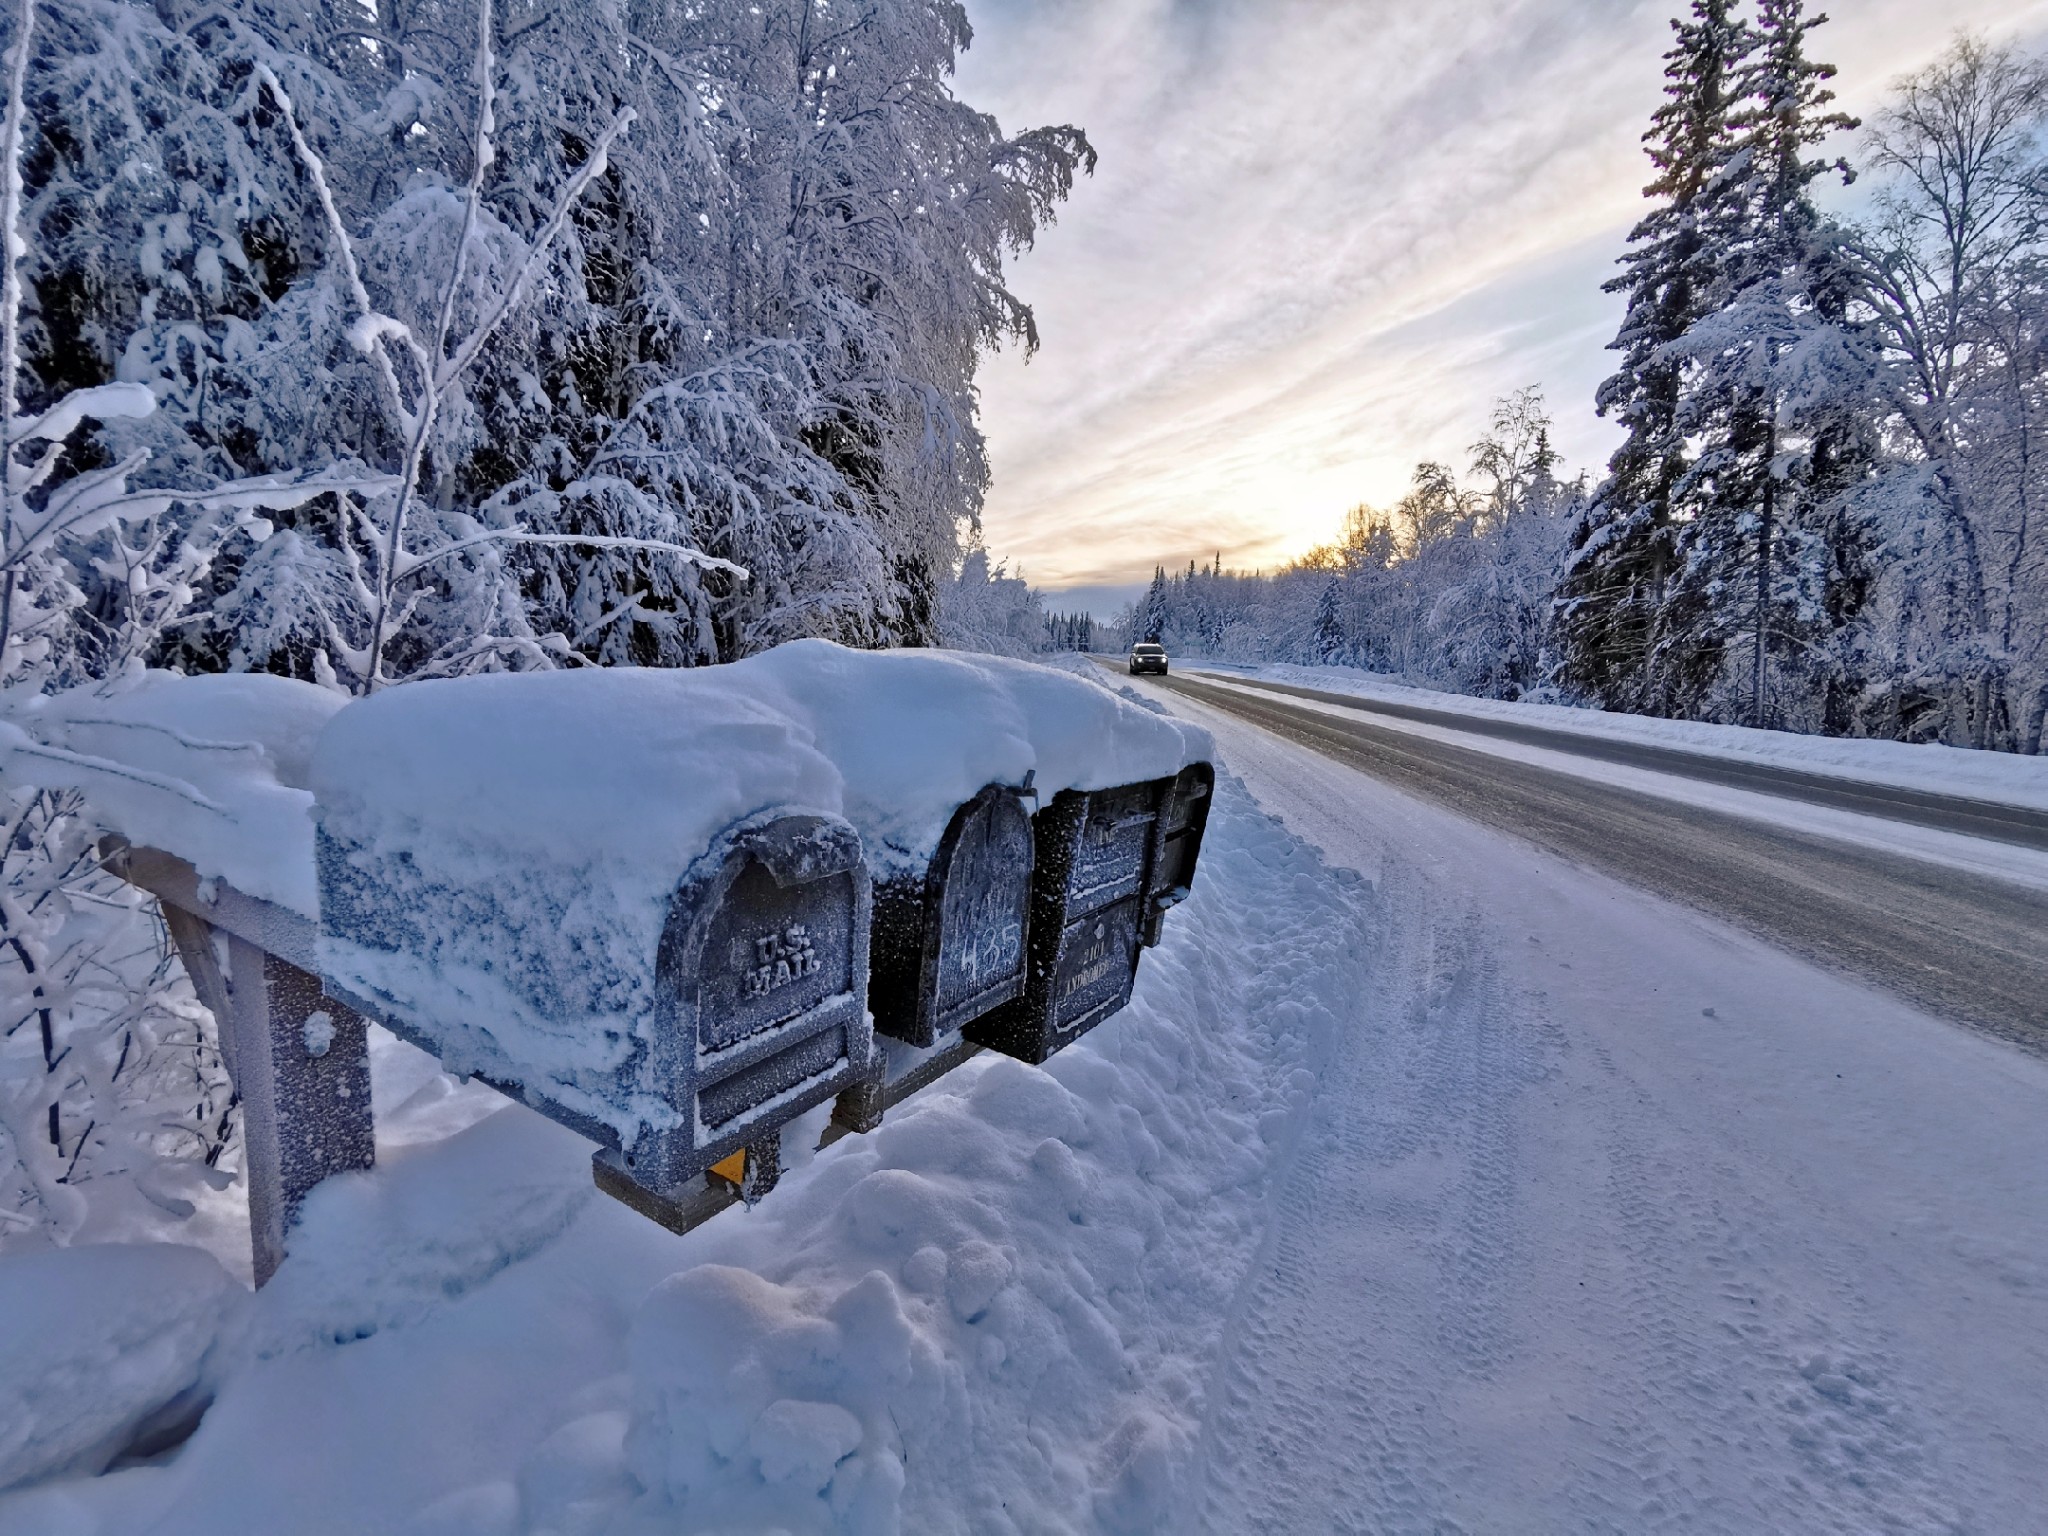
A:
1963	945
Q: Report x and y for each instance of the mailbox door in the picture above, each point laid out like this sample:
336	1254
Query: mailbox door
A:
1113	854
980	896
951	948
763	983
1182	823
775	957
1097	966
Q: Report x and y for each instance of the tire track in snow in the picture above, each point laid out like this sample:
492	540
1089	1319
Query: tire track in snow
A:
1396	1224
1502	1291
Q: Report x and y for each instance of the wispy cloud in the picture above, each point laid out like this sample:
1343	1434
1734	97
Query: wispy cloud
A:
1325	235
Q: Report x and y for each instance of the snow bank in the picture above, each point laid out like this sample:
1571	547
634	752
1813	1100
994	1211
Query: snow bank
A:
2002	777
98	1342
524	833
213	769
999	1312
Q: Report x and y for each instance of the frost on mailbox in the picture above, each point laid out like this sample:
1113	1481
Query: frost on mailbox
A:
626	899
950	946
1096	850
762	981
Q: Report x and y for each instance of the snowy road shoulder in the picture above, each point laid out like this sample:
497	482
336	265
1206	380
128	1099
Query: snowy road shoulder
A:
1612	1218
1982	855
1997	777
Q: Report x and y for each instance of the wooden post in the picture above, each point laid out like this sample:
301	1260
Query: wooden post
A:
301	1062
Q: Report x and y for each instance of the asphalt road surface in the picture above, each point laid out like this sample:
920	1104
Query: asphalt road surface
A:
1948	813
1961	945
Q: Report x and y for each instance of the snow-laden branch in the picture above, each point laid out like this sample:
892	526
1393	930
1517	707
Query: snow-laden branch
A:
592	168
684	552
81	768
439	371
372	328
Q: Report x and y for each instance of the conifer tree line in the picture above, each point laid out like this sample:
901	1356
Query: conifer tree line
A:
1824	515
1451	587
1069	632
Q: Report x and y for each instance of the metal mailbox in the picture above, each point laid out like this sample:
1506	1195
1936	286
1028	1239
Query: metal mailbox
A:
762	975
1095	855
951	946
1183	819
759	984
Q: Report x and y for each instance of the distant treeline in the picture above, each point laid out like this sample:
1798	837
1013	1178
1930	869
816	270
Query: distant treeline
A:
1822	517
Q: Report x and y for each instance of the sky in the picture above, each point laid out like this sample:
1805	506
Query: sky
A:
1324	237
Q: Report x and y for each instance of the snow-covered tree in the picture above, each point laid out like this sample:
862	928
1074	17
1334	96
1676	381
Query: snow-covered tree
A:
984	608
105	1071
1612	596
1776	391
1957	276
754	334
1452	588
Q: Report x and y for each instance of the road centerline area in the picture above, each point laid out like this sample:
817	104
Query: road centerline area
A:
1960	945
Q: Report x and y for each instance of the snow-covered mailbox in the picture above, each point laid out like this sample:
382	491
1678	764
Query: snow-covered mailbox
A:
949	943
1111	863
625	898
943	755
1096	850
641	902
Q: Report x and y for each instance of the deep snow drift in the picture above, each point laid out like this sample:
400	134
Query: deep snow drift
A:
997	1313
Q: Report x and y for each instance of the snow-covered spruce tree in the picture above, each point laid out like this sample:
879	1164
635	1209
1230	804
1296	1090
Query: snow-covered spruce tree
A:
1612	592
1149	617
1776	391
1957	274
1069	632
1331	645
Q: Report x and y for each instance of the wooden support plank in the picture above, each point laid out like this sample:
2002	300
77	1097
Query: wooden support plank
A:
302	1067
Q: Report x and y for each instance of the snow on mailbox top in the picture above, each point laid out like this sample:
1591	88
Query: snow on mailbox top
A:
639	770
212	769
525	833
917	733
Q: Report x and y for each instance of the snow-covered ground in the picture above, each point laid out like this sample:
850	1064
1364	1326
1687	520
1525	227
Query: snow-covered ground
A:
999	1312
1427	1184
1612	1218
2002	777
